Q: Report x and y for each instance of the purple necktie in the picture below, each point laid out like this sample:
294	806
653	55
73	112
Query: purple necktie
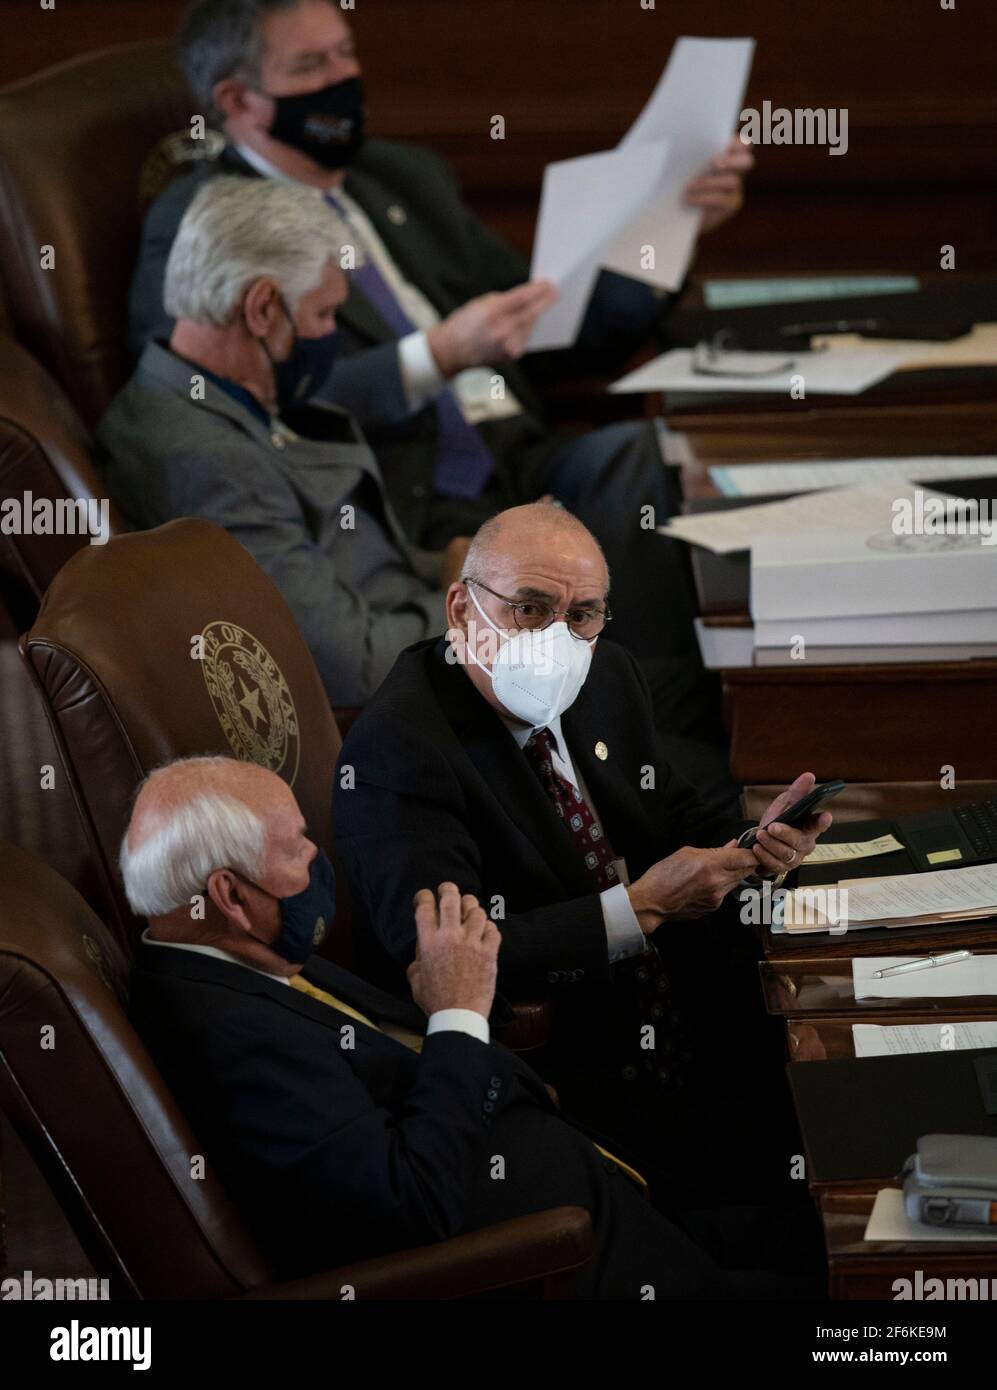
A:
464	463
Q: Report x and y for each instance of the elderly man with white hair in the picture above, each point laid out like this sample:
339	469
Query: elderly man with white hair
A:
343	1121
215	424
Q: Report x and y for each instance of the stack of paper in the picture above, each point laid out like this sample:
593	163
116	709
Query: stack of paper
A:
875	585
900	900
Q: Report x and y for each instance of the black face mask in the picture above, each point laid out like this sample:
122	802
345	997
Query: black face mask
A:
327	125
305	369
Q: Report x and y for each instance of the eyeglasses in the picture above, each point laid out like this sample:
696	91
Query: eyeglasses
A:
532	615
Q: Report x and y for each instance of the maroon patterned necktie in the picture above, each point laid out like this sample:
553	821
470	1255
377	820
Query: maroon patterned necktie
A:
573	809
643	976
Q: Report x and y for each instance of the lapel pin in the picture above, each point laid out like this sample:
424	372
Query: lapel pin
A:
601	751
397	215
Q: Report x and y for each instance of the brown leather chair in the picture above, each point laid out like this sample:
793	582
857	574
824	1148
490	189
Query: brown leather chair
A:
74	140
45	451
112	1142
168	643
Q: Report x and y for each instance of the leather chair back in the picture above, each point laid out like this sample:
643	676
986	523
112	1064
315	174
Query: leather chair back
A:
168	643
46	455
73	143
94	1110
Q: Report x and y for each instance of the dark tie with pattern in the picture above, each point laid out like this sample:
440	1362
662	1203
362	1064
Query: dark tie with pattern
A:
643	975
464	463
573	809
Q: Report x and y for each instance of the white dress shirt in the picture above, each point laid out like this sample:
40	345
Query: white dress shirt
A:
442	1021
624	937
421	378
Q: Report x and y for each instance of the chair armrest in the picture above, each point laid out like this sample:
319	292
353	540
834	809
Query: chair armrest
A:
519	1251
530	1026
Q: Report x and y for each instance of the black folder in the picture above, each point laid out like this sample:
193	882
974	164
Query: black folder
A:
861	1119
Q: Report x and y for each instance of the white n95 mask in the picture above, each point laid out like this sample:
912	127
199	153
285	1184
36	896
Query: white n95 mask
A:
537	675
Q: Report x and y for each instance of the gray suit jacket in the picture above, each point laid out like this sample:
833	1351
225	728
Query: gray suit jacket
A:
360	593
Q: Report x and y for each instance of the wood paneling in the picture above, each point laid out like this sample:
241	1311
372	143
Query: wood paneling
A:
569	76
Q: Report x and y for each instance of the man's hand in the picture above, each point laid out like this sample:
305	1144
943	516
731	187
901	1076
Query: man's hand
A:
780	847
490	329
452	561
456	953
719	188
689	883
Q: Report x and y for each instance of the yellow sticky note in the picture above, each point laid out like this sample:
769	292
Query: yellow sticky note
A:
944	856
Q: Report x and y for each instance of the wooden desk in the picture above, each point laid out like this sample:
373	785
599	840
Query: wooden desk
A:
860	1269
809	983
886	715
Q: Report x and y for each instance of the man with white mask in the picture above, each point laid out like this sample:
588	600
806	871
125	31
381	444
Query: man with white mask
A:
518	758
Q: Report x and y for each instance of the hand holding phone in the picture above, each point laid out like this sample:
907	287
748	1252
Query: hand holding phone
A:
798	813
798	827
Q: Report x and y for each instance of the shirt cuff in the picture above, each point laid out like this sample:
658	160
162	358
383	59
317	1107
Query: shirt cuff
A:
624	937
459	1021
422	379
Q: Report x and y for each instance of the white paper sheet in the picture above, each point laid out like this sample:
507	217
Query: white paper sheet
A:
823	373
584	210
841	509
889	1221
695	107
942	891
852	849
602	210
759	479
905	1039
960	980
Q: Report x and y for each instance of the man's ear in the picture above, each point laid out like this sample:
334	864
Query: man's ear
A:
230	97
261	307
228	895
457	607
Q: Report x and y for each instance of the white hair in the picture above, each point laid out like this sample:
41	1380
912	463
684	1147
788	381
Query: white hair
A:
238	230
173	863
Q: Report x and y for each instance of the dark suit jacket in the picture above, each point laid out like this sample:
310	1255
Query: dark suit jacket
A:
336	1153
431	786
444	249
331	1152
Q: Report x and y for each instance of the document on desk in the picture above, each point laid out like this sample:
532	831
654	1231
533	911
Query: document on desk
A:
761	479
624	209
822	373
889	1221
941	893
840	509
827	853
962	979
904	1039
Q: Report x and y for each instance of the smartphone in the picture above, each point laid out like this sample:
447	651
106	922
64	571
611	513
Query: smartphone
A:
802	810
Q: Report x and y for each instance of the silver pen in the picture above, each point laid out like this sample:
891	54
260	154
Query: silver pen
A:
928	963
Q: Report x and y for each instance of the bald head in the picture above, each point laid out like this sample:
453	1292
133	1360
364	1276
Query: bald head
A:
530	535
175	787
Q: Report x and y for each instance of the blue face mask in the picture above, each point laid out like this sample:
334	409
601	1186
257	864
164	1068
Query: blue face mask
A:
306	918
305	369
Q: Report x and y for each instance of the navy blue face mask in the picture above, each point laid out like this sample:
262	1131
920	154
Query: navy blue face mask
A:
305	369
306	917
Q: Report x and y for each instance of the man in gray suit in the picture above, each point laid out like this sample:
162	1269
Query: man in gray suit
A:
219	424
